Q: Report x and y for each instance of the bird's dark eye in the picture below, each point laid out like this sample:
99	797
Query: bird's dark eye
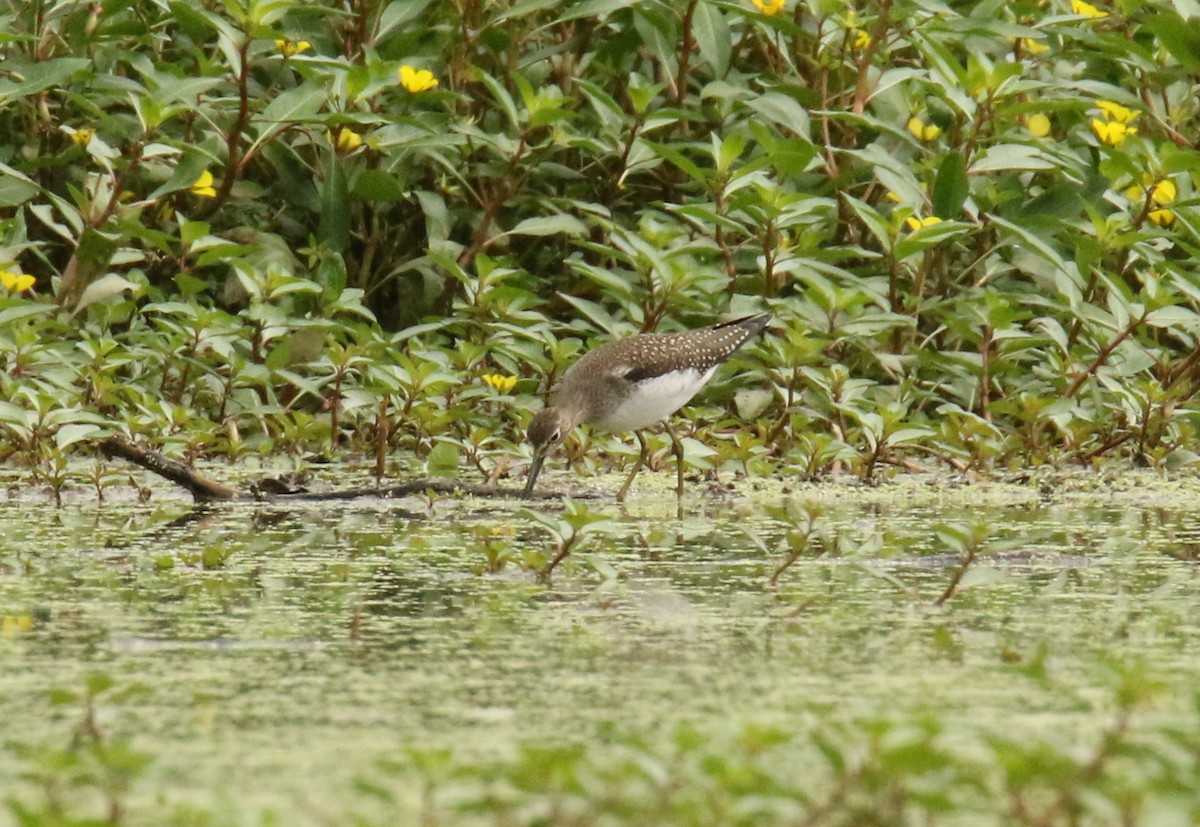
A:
557	435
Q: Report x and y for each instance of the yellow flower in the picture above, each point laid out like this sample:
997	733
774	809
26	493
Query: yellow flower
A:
289	48
1163	193
1038	125
417	80
768	7
16	282
13	625
1163	218
923	131
82	136
1034	47
914	223
203	186
861	39
1137	192
499	382
1116	112
346	140
892	196
1086	9
1112	132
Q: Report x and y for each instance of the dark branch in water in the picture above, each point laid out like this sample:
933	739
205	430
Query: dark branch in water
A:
201	487
207	490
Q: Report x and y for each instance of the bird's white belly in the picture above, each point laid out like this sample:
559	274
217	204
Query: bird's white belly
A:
653	400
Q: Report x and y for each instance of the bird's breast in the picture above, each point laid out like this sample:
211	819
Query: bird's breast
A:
652	400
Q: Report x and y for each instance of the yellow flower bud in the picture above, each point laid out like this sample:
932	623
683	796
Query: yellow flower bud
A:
345	140
1038	125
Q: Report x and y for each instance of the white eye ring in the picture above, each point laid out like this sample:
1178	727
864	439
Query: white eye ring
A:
557	435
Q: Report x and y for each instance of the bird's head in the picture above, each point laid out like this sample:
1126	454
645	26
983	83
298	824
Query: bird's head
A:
546	429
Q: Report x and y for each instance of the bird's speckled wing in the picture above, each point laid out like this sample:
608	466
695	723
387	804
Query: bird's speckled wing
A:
634	382
655	354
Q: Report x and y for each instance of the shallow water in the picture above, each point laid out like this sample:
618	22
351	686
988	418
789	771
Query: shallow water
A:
266	659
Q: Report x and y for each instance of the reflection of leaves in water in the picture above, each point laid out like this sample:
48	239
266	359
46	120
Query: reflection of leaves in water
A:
364	627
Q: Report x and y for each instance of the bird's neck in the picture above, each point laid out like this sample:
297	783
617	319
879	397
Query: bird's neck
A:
572	404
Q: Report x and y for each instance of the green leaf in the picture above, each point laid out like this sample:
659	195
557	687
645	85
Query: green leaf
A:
40	76
45	214
23	310
920	240
15	187
195	20
443	460
1179	37
378	185
1174	317
1056	201
550	225
950	188
292	107
981	576
687	165
396	14
502	98
1033	241
438	221
334	227
784	111
712	37
192	231
873	221
104	288
186	171
1006	157
659	32
68	435
592	8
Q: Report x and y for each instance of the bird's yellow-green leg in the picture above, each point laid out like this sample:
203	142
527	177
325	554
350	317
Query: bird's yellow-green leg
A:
643	459
677	447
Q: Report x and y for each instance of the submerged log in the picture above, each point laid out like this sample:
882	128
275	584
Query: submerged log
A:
200	486
204	489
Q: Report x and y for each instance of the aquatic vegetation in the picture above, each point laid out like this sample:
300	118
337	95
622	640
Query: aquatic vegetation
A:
669	671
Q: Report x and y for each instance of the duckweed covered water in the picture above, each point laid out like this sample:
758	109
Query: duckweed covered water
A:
269	664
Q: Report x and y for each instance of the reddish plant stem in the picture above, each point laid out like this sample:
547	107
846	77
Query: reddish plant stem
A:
1104	353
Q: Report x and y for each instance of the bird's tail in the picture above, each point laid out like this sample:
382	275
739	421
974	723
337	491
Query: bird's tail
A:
750	325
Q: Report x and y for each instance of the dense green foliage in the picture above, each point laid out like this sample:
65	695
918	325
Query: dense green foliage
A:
290	226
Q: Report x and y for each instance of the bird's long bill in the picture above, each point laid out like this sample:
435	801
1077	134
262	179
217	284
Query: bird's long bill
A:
534	468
